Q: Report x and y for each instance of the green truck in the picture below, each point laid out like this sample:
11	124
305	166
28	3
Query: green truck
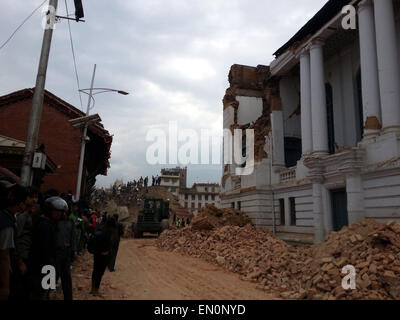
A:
153	217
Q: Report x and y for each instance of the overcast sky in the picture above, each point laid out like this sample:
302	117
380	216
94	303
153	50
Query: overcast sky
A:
172	56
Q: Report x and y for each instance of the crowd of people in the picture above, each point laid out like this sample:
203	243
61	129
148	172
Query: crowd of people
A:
138	184
39	230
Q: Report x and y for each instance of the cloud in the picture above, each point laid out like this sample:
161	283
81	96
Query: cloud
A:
173	57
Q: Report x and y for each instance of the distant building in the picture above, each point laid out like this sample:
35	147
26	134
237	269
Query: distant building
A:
199	195
61	141
194	198
173	179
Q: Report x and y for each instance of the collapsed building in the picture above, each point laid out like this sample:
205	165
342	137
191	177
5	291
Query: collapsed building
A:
326	119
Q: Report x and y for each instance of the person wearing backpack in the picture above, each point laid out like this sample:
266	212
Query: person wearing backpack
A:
100	246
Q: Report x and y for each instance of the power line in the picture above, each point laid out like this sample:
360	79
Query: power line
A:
73	56
23	22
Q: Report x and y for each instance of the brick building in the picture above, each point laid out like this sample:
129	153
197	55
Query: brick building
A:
61	140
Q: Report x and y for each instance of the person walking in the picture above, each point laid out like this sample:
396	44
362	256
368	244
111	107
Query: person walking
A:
102	238
117	234
65	249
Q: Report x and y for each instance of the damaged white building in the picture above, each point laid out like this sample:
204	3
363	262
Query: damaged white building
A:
326	115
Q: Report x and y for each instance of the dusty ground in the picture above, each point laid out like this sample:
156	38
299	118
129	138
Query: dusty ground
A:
144	272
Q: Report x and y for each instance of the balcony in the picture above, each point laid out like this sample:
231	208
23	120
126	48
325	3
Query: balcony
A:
287	175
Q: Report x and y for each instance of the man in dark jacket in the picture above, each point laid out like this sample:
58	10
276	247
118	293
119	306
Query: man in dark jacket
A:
23	244
44	243
117	234
65	249
101	256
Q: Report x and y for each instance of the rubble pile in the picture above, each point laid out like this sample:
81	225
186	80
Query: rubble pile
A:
314	272
211	217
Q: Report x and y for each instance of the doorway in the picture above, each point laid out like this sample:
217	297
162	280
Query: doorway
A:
340	217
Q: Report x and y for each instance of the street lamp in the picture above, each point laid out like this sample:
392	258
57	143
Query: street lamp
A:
86	120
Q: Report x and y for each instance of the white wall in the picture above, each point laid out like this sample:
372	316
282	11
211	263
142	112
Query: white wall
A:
382	197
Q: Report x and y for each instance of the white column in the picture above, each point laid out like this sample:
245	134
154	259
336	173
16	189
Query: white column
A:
355	198
318	100
388	64
305	92
369	69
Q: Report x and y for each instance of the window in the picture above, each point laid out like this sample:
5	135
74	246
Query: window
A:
360	131
282	211
330	118
186	197
193	205
199	205
213	189
244	152
206	189
206	196
166	180
213	197
239	205
186	205
233	205
193	197
173	189
200	197
292	151
292	204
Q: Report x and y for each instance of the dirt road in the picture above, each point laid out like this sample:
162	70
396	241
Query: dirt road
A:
145	272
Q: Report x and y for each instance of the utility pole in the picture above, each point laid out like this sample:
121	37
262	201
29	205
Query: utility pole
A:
37	101
83	145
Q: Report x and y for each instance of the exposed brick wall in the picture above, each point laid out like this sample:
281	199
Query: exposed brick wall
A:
61	140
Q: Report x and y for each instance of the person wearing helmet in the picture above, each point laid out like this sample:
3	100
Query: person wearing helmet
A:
44	243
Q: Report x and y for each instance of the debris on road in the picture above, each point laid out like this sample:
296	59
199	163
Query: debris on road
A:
314	272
